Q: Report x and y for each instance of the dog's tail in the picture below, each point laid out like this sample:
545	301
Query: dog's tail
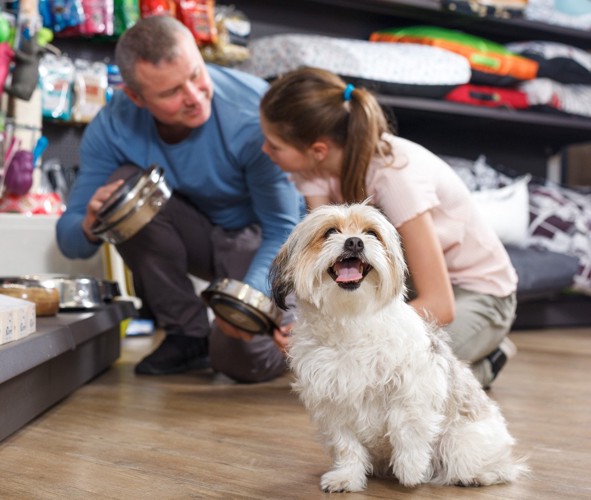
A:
507	472
515	470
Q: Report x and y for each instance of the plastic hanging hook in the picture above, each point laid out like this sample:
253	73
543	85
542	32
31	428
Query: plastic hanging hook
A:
40	147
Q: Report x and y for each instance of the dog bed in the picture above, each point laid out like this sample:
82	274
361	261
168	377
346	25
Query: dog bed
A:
489	97
409	69
491	63
557	61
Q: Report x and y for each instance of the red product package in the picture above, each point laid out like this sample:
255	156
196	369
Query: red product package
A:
199	17
157	8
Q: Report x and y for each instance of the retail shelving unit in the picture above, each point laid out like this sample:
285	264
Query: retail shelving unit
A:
522	140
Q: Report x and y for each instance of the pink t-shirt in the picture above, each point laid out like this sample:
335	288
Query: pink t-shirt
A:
418	181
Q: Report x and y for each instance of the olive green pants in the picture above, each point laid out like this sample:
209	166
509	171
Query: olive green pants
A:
480	325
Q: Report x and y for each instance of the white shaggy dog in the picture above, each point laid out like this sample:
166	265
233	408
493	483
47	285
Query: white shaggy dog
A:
383	387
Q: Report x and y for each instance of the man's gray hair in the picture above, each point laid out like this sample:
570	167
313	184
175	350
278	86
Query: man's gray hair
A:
151	39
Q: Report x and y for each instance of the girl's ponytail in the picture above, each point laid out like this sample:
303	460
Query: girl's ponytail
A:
366	125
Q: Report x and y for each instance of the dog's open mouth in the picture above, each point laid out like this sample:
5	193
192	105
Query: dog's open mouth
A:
349	272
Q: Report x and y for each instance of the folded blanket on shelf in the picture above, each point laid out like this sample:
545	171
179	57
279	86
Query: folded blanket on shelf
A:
548	94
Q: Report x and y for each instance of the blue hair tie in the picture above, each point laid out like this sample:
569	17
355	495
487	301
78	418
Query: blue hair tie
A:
348	91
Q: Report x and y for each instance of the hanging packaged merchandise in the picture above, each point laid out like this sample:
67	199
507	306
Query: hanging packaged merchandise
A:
56	80
61	14
6	56
25	74
157	8
125	14
233	32
199	17
97	19
90	89
19	173
114	80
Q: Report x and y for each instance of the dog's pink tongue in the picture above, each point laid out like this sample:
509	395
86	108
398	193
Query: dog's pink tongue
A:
347	270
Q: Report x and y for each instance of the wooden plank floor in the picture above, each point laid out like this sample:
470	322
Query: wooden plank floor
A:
193	436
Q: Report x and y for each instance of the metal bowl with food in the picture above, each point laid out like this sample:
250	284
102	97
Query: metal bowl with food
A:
46	300
133	205
67	292
242	306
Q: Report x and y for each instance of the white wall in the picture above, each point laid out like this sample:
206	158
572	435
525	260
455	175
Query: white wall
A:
28	246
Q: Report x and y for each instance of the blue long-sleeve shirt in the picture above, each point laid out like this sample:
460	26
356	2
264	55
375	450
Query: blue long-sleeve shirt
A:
220	168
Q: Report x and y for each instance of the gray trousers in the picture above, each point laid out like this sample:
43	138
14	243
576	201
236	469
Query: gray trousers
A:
180	241
481	323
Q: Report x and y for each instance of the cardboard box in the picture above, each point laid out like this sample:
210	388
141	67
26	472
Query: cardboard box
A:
577	165
17	318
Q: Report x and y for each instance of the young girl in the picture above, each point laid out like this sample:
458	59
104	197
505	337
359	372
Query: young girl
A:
334	140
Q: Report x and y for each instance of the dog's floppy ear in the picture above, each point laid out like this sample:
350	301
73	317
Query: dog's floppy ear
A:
280	278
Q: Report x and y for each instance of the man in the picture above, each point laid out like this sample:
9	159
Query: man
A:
231	209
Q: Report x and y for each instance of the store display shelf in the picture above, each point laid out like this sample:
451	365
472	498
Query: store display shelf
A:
65	352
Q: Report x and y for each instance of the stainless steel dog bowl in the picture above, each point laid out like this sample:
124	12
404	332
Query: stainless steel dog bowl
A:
133	205
76	292
242	306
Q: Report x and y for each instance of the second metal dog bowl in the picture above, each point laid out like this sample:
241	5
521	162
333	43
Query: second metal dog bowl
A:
242	306
76	292
133	205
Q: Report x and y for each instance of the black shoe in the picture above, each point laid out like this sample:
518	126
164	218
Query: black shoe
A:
499	357
176	354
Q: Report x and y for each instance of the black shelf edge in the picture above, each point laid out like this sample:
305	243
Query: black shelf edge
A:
432	9
537	119
58	334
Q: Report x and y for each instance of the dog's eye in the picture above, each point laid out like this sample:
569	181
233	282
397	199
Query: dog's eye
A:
372	233
332	230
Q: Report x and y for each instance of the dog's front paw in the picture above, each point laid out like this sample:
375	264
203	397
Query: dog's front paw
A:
342	480
411	476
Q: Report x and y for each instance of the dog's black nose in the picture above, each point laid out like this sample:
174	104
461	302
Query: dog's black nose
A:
354	244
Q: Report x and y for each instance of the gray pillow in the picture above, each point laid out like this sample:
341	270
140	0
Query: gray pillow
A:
542	272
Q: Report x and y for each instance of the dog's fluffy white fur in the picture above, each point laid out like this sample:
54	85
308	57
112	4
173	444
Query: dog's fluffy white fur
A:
383	386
